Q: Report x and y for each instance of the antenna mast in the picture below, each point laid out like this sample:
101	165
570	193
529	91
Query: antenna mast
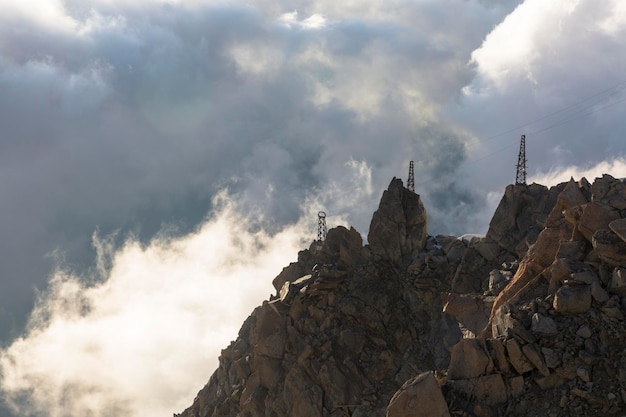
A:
321	226
410	183
520	178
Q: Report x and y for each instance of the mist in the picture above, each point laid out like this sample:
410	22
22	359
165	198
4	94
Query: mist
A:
140	335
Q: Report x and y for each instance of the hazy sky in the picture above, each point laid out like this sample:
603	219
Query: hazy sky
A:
161	161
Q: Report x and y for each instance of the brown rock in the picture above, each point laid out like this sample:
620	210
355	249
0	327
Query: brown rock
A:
471	310
518	360
268	370
617	285
452	247
584	373
489	389
533	355
558	272
598	293
469	359
584	331
335	383
252	396
609	247
305	397
520	216
619	228
552	357
487	248
543	325
505	325
288	274
515	386
342	246
498	355
268	338
550	381
399	227
571	196
419	397
610	191
595	217
572	300
467	276
537	259
573	250
498	280
584	277
613	312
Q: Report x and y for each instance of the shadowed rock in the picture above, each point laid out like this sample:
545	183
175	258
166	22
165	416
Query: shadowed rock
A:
399	227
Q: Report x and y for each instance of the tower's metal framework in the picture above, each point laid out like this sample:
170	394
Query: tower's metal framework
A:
321	226
410	182
520	178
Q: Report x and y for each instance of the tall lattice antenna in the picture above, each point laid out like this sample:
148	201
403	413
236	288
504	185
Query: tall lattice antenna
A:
520	179
410	183
321	226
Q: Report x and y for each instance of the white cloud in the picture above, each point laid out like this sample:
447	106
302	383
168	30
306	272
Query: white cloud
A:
50	14
614	23
539	38
315	21
143	338
615	167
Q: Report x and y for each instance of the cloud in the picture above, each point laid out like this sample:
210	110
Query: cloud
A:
142	334
132	116
538	40
549	70
615	167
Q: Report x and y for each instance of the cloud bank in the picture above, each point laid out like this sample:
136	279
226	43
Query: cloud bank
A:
131	115
141	335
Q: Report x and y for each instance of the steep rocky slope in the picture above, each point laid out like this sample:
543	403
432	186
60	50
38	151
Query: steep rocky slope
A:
525	321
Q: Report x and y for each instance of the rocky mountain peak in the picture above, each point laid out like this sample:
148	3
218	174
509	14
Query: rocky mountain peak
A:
399	227
528	320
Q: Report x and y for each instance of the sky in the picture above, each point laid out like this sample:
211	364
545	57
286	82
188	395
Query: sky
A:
161	161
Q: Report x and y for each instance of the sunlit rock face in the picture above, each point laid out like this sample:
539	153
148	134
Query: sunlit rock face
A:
530	316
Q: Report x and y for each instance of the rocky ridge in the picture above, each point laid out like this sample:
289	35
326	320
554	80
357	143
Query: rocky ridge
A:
527	320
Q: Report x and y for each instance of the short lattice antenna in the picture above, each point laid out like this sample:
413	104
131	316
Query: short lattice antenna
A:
321	226
410	183
520	179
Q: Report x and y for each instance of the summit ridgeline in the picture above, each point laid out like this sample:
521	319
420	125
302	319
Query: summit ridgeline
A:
528	320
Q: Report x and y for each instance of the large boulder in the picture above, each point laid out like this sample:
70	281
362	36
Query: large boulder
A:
521	215
570	197
595	217
399	227
609	247
419	397
610	191
469	359
342	247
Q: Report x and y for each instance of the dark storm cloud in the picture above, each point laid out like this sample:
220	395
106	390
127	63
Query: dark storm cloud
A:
130	116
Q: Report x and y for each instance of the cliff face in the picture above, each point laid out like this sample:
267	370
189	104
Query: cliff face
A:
497	318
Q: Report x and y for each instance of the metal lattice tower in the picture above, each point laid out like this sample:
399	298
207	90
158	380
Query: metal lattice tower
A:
520	179
321	226
410	183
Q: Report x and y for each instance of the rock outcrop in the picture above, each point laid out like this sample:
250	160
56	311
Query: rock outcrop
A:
560	318
528	320
399	227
